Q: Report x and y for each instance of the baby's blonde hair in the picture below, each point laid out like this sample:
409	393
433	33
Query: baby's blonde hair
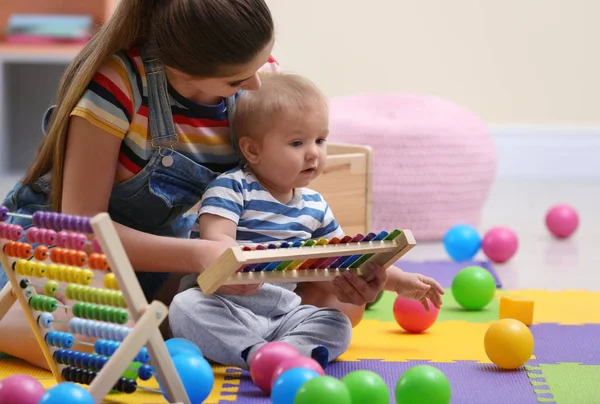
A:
279	93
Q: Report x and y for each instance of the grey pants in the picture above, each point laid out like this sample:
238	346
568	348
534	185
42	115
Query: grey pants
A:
224	326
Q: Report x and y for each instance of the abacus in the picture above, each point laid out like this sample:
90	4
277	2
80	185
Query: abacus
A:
72	254
305	261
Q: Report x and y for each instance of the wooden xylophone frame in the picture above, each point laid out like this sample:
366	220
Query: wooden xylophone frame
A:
147	318
226	270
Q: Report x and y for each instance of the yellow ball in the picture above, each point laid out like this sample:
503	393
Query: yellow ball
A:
508	343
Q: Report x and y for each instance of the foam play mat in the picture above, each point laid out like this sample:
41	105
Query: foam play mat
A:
564	369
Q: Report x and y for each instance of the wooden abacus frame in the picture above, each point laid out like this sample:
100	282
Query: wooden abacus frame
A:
226	269
147	318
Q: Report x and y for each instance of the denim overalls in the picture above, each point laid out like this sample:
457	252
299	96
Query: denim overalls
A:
157	199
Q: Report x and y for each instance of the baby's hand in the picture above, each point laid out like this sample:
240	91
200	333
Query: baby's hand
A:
420	287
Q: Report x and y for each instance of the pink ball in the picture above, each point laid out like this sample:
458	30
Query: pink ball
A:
500	244
297	362
20	389
265	361
412	316
562	220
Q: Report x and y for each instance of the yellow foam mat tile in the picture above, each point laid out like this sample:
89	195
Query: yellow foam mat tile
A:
567	307
448	341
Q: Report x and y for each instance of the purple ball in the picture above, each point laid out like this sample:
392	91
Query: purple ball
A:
20	389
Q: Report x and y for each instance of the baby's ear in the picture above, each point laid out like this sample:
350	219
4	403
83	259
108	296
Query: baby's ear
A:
249	149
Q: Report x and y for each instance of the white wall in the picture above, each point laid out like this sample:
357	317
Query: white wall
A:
510	61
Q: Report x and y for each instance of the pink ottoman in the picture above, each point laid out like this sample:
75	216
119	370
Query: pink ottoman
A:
433	161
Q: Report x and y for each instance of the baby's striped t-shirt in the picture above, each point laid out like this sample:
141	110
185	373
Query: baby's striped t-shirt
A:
260	218
116	101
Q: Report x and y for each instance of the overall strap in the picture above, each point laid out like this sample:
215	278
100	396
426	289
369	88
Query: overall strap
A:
160	119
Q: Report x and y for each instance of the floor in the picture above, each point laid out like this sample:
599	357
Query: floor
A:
541	262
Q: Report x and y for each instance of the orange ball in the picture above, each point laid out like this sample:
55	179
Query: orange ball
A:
508	343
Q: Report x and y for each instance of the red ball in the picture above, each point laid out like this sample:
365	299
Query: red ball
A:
265	361
297	362
21	389
500	244
412	316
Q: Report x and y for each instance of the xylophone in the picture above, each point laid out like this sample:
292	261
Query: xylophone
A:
305	261
83	259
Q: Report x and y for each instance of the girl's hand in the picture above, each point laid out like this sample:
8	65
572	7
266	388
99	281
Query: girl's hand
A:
420	287
357	290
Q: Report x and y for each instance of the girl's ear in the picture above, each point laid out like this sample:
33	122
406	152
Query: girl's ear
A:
249	149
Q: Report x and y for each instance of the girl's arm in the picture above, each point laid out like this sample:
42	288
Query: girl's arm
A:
89	175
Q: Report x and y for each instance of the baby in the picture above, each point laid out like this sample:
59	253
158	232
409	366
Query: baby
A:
281	131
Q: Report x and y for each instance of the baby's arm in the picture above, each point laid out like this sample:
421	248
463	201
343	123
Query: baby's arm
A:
217	228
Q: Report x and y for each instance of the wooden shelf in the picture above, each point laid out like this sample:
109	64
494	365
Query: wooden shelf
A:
31	49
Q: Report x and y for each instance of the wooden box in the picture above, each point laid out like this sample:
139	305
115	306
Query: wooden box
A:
346	185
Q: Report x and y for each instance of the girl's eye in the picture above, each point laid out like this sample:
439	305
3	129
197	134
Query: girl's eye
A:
296	143
321	141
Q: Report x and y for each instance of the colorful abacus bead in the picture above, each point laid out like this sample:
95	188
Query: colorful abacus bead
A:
50	288
96	246
60	339
3	213
18	249
95	295
41	253
103	313
110	282
97	261
11	232
61	221
41	236
107	348
43	303
97	329
45	320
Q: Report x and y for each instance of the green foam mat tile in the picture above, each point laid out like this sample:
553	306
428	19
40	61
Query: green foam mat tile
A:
565	383
451	311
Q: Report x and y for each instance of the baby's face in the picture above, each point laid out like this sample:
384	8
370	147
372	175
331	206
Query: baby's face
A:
293	151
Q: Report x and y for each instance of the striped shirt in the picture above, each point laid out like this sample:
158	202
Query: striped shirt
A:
260	218
116	101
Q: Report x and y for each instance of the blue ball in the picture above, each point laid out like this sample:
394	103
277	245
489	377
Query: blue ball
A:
286	386
462	242
66	392
195	374
177	346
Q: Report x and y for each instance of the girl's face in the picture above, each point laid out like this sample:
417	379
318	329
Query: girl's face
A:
210	90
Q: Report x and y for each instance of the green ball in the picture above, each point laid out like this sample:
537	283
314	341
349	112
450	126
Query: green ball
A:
371	304
323	390
423	384
473	288
366	387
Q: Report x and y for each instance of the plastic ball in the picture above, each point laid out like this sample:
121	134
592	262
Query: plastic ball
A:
473	287
287	384
323	390
366	387
412	316
508	343
67	392
20	389
178	346
462	242
297	362
195	374
423	384
374	302
500	244
562	220
265	361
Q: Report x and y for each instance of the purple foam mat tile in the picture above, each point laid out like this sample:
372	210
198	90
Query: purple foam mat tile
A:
445	271
471	382
566	343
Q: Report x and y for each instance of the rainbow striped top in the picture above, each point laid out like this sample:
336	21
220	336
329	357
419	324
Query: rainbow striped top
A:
116	102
